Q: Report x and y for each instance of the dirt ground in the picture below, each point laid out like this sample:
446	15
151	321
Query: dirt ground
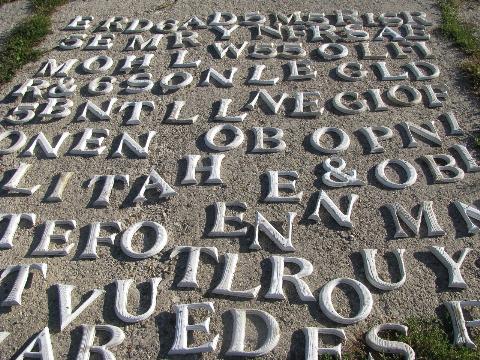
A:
333	251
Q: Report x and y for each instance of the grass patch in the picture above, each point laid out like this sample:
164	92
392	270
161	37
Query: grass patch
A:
46	7
19	47
463	36
431	341
472	67
428	338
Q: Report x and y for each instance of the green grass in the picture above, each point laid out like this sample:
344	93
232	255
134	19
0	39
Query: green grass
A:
431	341
428	338
46	7
463	36
19	48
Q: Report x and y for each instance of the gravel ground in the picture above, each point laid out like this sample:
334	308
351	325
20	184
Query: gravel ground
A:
333	251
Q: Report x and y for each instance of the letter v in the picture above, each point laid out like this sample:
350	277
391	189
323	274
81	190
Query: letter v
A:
65	304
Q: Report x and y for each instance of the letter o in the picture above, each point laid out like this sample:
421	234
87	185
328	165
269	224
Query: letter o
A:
87	64
210	136
186	79
392	95
344	140
340	51
326	305
17	145
160	240
405	165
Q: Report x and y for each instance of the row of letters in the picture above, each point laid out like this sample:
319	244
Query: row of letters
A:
226	18
228	222
291	34
40	346
306	103
297	70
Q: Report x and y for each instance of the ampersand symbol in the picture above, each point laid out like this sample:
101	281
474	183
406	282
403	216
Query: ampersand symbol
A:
335	175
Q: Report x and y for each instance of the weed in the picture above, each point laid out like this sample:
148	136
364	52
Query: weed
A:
428	338
462	34
19	47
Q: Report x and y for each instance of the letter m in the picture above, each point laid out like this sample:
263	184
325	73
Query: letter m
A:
50	68
425	211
